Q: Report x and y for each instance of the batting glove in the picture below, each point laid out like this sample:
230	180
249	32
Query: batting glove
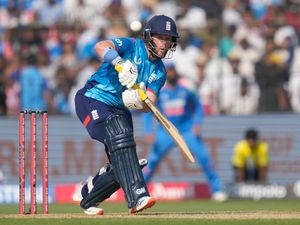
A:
132	99
128	75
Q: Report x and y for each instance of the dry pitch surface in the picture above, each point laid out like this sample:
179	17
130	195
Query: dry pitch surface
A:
177	215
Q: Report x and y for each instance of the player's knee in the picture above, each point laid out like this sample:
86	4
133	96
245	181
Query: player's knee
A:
119	133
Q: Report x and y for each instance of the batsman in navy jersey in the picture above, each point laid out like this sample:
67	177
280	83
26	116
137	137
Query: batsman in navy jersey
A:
182	107
103	105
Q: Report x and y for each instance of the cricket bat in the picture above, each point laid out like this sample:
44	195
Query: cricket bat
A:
167	125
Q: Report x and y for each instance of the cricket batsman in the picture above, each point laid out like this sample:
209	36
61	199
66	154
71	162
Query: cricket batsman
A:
103	106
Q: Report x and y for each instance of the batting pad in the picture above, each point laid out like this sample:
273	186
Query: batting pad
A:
124	158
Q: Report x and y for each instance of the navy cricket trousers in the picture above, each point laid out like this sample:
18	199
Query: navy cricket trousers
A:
93	113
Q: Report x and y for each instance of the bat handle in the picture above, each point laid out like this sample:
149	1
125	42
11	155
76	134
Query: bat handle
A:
141	93
118	67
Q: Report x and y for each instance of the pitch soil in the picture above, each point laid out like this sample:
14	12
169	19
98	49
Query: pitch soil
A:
167	215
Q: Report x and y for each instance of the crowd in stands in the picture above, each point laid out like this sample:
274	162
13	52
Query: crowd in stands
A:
241	57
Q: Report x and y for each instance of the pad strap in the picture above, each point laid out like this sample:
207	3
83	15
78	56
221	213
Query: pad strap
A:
102	186
105	185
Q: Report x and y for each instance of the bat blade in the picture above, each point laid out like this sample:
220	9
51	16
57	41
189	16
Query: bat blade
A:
169	127
172	130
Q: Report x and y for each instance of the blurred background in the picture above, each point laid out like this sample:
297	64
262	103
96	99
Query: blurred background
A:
241	57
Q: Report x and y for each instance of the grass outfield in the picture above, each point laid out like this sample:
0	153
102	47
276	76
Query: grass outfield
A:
233	212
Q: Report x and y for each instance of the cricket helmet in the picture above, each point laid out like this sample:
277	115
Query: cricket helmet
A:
162	25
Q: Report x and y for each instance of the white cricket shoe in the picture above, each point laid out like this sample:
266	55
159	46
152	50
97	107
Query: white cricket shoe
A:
94	211
77	197
219	196
143	203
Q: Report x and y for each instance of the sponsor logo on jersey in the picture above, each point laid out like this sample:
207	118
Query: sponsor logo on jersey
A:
151	78
137	60
119	42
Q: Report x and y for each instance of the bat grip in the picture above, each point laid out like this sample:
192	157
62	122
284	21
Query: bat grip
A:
141	93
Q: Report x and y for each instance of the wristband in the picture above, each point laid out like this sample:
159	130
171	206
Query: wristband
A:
111	56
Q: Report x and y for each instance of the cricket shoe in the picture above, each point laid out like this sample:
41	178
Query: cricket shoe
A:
143	203
77	196
219	196
94	211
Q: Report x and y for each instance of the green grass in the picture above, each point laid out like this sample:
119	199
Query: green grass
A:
163	208
148	222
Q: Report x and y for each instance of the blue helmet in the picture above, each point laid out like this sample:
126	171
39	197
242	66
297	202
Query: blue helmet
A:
162	25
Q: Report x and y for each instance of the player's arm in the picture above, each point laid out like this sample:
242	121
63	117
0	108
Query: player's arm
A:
263	162
239	174
262	174
102	47
238	164
111	51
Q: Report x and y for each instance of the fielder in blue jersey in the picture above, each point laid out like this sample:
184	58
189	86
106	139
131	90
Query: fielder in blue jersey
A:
182	107
103	105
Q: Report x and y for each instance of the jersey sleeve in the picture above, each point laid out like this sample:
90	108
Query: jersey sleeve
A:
122	45
263	157
237	158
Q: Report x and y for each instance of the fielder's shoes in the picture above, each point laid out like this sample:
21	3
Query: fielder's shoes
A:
219	196
143	203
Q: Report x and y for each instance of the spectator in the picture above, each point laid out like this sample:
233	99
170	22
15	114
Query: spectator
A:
2	178
185	58
35	94
191	17
2	86
229	83
237	94
12	87
51	28
183	108
294	90
251	158
82	78
230	14
50	12
246	100
210	71
271	74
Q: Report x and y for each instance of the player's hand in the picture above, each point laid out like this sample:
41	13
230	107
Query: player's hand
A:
128	75
131	99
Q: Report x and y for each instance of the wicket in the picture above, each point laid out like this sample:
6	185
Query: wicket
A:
33	160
